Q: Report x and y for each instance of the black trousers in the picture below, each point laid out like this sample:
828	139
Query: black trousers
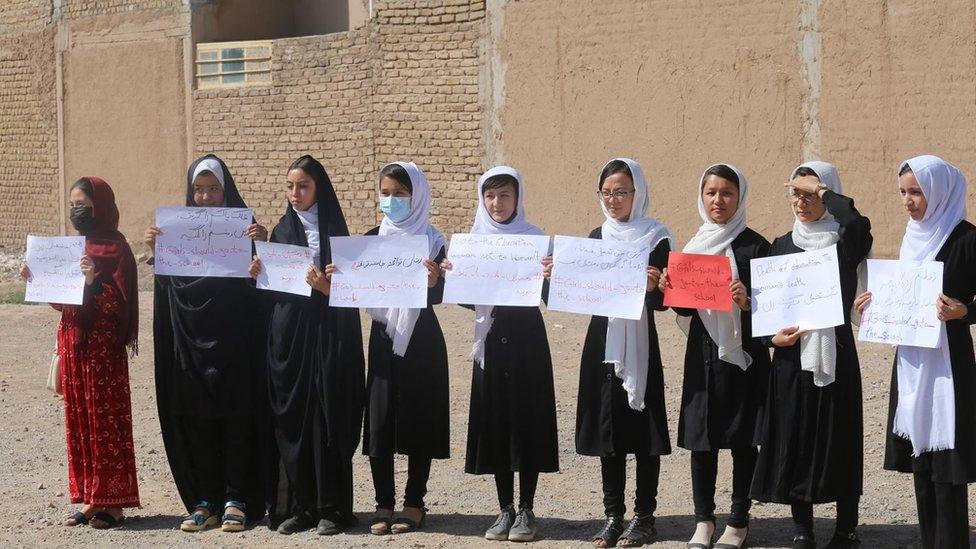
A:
704	470
943	513
418	472
614	472
846	516
505	486
220	453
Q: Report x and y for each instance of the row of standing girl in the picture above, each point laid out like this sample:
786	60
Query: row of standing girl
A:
792	423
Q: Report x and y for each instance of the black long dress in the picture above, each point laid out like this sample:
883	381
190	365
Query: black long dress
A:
408	410
512	417
316	378
721	403
606	425
811	441
208	338
956	466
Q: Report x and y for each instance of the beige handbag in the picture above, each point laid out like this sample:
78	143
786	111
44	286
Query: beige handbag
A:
54	372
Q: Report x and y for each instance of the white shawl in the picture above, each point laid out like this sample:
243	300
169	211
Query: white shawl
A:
818	348
628	348
484	224
401	322
725	328
926	412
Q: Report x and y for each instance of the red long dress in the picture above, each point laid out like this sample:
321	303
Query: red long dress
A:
97	405
92	341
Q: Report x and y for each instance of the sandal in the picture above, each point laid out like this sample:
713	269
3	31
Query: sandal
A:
106	521
610	533
639	532
381	525
233	522
79	519
199	521
402	525
731	546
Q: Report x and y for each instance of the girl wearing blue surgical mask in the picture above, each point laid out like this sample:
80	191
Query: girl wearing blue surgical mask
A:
408	410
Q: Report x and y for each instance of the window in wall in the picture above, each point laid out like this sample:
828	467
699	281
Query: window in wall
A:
230	64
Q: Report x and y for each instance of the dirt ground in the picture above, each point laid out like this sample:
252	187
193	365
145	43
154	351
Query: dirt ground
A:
33	474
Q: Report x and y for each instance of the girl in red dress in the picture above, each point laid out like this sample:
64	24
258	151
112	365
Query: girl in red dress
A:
92	342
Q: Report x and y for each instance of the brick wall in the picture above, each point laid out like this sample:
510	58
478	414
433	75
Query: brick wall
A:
318	104
72	9
426	107
28	136
403	88
19	15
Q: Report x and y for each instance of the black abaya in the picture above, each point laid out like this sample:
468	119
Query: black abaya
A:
315	375
208	336
811	438
956	466
606	425
720	402
408	410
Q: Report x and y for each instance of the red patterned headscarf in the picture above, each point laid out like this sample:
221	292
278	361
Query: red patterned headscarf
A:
114	262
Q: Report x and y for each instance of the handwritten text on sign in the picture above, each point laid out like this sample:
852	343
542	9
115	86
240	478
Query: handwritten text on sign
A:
796	290
699	281
495	269
598	277
203	242
283	267
903	303
55	269
379	271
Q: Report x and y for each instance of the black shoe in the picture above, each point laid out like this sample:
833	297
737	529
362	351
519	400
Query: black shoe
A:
298	523
639	532
844	540
334	522
611	531
804	541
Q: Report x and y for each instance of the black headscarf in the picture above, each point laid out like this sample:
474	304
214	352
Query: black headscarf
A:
232	197
315	362
331	220
208	336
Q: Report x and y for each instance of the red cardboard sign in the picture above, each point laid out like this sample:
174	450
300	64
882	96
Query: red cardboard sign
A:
699	282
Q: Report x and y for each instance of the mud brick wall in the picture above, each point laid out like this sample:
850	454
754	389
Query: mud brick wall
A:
405	87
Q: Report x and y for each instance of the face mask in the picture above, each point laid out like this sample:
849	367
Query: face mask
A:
397	208
82	218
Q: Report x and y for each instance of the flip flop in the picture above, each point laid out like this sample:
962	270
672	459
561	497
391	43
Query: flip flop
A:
106	521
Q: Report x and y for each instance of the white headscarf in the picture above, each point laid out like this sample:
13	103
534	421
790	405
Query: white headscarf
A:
926	412
310	223
209	165
818	348
725	328
401	322
484	224
627	346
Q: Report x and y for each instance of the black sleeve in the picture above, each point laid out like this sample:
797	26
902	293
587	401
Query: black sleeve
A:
654	299
435	295
545	292
855	229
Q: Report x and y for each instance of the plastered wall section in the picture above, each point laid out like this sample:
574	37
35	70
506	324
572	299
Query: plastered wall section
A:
404	87
28	131
759	84
125	110
675	85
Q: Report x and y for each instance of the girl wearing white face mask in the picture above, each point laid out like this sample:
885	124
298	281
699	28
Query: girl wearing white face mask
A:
932	413
407	410
812	435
